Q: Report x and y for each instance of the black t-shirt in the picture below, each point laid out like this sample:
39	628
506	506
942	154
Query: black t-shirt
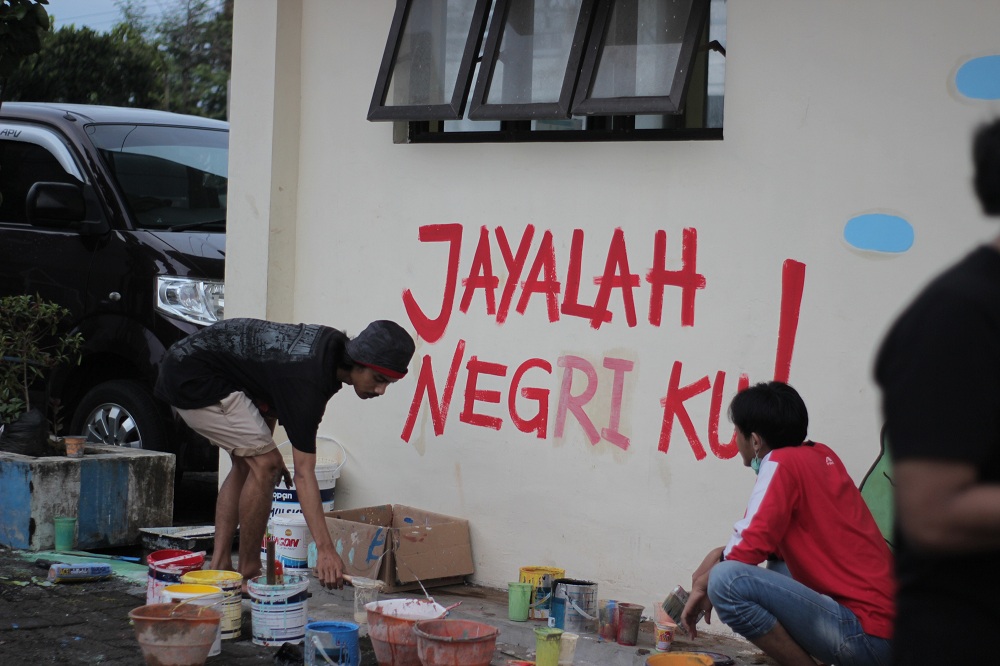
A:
939	370
289	368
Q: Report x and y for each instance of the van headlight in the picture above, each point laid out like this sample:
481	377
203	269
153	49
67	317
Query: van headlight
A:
196	301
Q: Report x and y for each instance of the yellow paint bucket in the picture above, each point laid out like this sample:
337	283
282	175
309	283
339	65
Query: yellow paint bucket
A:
231	584
541	579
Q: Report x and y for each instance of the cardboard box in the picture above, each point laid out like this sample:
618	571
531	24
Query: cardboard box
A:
401	545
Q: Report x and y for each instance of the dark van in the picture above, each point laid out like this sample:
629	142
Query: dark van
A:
119	215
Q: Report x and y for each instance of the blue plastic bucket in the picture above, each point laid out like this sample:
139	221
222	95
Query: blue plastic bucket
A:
333	641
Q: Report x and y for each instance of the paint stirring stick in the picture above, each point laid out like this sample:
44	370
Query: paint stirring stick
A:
270	560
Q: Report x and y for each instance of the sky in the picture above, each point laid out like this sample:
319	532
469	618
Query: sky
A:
99	15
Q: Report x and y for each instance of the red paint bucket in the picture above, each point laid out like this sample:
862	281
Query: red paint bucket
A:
166	568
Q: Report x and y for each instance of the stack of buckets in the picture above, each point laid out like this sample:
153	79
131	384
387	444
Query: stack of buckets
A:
278	611
286	522
230	584
198	595
175	575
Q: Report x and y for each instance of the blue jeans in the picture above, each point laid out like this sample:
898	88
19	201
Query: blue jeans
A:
750	600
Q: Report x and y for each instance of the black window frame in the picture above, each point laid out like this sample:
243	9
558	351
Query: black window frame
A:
481	109
463	82
601	119
584	104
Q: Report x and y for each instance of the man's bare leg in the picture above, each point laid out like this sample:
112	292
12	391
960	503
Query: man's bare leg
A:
227	514
255	507
781	647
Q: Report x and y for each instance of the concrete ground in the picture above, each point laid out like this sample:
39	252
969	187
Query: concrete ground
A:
87	623
517	639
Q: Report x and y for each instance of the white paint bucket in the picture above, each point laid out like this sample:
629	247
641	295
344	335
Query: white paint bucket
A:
278	612
286	500
199	595
292	539
231	584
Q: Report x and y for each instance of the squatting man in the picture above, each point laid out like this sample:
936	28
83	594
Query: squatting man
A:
827	592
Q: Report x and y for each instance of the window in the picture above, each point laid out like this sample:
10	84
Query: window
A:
174	178
34	156
558	70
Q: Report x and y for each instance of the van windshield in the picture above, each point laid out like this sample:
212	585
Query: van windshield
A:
173	178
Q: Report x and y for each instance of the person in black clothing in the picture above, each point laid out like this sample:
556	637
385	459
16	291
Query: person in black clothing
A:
939	371
233	380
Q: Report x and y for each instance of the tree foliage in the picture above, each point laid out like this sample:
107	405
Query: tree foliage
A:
22	24
79	65
179	62
198	45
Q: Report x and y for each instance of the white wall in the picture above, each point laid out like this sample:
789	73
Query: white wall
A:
833	110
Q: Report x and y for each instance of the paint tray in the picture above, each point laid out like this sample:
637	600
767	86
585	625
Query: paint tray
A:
193	538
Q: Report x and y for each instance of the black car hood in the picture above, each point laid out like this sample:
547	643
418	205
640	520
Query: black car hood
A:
206	251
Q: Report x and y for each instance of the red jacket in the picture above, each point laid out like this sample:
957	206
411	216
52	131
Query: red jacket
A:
806	509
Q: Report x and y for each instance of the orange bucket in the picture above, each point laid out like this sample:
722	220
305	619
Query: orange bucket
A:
390	628
175	633
455	642
680	659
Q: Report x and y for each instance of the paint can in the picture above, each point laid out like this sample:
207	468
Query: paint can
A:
332	642
291	547
629	617
567	648
518	599
286	500
199	595
574	605
161	575
607	620
541	594
365	592
278	612
231	584
547	646
664	635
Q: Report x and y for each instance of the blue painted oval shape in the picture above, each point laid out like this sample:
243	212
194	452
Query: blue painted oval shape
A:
980	78
879	233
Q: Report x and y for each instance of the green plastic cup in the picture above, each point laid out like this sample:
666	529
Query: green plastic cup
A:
518	601
65	533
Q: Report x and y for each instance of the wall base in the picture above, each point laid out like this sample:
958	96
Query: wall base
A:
112	492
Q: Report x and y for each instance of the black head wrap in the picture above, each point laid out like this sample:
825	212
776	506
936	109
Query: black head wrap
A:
383	346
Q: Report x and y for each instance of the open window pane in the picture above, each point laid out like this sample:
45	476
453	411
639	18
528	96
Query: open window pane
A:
531	59
644	56
425	72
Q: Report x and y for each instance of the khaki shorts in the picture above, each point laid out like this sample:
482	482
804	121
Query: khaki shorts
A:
233	424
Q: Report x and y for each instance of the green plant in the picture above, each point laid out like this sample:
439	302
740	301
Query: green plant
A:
31	345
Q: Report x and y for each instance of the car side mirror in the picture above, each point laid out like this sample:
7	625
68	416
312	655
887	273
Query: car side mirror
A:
61	205
55	204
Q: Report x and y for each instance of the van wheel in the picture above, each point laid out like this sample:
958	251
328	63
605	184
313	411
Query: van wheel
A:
121	413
